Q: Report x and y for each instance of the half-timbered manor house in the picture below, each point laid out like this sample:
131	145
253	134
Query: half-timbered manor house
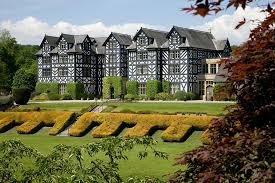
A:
181	56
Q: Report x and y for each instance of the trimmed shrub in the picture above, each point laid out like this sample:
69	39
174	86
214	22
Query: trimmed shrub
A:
132	87
153	87
163	96
166	86
23	79
66	96
181	95
192	96
21	95
47	87
222	92
42	96
130	97
142	97
6	102
118	84
76	90
54	96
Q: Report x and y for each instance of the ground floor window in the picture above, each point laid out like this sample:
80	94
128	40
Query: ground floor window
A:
62	89
174	88
142	89
201	88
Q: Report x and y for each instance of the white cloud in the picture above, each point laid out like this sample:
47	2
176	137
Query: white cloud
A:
31	30
223	26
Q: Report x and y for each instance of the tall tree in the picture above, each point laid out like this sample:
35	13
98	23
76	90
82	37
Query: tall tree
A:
243	141
8	49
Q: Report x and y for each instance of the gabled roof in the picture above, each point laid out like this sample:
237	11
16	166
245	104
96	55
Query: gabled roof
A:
54	51
51	40
39	53
132	46
220	44
195	38
99	48
123	39
74	39
158	36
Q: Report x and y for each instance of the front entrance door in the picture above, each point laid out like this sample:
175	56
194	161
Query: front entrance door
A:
112	91
209	93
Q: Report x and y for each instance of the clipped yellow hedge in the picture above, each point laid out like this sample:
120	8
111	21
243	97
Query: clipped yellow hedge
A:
176	133
30	127
6	123
176	127
83	124
31	122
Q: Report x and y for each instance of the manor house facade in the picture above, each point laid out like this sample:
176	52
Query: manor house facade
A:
178	56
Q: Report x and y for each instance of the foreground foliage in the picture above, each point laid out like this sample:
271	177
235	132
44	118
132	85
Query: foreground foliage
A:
243	142
72	163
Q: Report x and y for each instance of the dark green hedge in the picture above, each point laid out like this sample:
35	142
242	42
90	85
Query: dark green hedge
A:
47	87
153	87
118	83
166	86
21	95
76	90
132	87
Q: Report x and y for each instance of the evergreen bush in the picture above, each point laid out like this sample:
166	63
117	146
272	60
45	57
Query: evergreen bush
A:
54	96
163	96
42	87
76	90
66	96
130	97
153	87
132	87
21	95
166	86
118	84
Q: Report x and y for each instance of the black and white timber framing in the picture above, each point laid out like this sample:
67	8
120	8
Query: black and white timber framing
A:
116	54
175	56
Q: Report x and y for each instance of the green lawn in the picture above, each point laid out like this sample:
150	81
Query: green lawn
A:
208	108
57	106
172	107
150	166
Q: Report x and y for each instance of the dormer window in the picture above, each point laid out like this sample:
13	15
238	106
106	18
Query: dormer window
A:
63	46
174	40
142	40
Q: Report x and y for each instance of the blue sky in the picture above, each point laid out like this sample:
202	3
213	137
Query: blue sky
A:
109	11
45	16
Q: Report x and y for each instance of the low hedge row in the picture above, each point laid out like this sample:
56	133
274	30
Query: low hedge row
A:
31	122
176	127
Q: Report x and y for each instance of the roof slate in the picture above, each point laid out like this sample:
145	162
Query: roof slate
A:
39	52
100	49
157	35
220	44
123	39
197	39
